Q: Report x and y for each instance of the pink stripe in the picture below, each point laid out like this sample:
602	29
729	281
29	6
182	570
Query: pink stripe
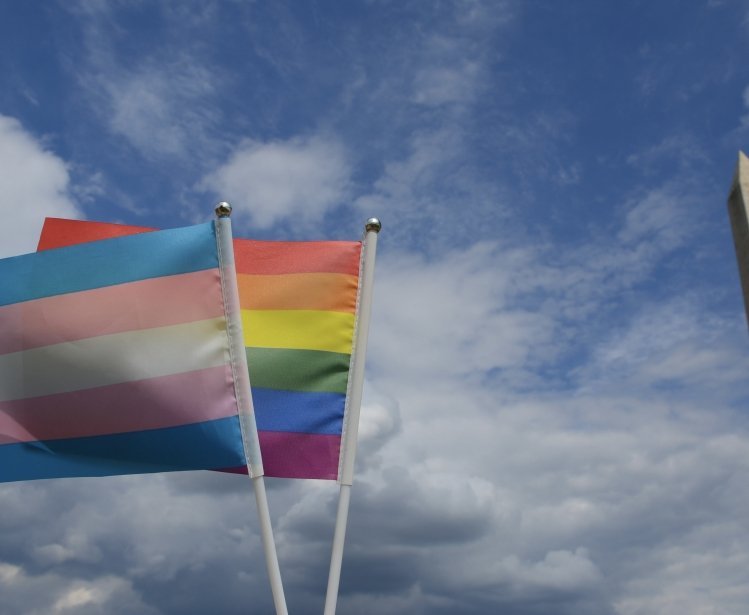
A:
298	455
153	303
168	401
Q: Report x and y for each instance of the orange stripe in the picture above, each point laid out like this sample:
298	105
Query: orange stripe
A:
335	292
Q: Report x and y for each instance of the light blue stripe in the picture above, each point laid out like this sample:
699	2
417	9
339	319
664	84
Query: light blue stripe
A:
107	262
202	446
298	411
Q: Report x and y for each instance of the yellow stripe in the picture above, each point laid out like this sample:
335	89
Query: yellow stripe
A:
302	329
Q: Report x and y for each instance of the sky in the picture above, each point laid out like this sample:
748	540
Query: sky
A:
555	406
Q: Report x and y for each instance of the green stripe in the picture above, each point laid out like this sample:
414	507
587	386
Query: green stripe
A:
298	370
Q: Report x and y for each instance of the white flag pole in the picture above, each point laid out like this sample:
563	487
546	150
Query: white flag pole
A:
269	546
244	400
351	426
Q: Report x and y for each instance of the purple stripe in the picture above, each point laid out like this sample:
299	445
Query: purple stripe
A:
155	403
298	455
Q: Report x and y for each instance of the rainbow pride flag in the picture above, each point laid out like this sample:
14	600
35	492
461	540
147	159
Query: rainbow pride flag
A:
299	303
115	358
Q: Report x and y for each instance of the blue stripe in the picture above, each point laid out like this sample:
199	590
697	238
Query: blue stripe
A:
107	262
202	446
298	411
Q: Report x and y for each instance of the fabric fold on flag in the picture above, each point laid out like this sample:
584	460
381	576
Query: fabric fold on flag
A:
115	359
298	307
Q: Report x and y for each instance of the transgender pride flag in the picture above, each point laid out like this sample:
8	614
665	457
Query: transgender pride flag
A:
116	357
299	304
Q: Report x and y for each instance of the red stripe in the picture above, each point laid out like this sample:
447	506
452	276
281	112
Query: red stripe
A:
251	256
298	455
59	232
157	302
168	401
273	257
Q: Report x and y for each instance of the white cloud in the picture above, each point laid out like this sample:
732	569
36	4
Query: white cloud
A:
657	216
675	343
162	110
435	86
450	65
298	180
130	545
457	313
98	595
602	489
562	570
681	149
163	103
9	573
51	592
35	183
568	495
429	198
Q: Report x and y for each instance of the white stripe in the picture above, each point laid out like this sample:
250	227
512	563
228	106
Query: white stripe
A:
112	359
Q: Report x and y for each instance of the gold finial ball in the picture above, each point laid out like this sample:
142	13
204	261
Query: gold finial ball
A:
373	224
223	209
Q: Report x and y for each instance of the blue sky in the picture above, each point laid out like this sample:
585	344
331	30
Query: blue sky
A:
555	415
